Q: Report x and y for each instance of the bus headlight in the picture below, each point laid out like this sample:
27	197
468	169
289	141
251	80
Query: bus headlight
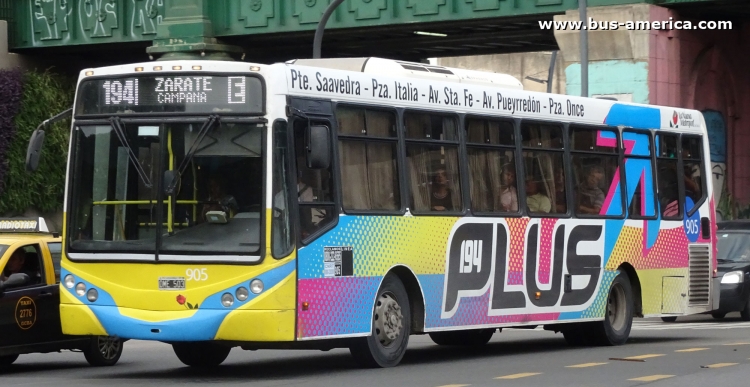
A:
256	286
733	277
241	294
227	300
92	294
81	289
69	281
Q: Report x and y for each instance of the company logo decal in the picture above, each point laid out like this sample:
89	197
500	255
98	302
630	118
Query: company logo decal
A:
25	313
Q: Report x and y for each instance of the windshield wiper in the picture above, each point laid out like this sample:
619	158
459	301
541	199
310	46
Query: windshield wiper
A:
116	124
207	126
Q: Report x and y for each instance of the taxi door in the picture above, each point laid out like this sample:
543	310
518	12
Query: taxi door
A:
30	314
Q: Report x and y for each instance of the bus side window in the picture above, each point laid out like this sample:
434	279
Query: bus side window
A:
432	158
492	168
693	176
595	163
55	250
314	187
544	169
667	176
639	175
368	149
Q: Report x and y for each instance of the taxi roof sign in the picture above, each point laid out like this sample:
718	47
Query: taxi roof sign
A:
23	225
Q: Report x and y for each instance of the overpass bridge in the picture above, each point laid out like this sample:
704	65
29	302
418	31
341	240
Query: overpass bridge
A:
98	32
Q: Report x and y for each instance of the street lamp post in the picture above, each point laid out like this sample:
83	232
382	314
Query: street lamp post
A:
318	40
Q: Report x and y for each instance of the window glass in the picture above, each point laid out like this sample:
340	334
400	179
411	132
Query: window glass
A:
314	188
535	135
667	176
353	121
636	144
692	163
434	174
492	169
369	176
280	223
369	171
492	132
595	180
492	180
593	140
55	250
424	126
26	260
666	146
544	182
641	194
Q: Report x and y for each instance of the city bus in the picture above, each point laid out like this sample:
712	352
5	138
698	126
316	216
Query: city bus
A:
350	203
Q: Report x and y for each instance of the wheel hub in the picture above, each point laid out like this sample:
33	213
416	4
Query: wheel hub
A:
108	346
389	320
616	308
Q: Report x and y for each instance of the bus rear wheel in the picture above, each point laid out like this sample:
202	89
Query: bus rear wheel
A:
618	318
201	354
669	319
470	338
391	326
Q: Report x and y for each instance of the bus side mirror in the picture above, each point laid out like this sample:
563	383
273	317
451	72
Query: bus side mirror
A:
318	147
34	151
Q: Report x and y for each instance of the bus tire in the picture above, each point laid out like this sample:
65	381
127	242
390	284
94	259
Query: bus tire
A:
201	354
718	315
669	319
470	338
7	360
391	326
103	351
618	316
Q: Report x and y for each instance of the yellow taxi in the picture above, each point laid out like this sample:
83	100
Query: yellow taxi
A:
30	297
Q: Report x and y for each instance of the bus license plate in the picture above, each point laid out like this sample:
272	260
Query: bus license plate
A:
171	283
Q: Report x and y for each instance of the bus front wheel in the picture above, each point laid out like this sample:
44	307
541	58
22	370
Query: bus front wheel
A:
203	354
391	326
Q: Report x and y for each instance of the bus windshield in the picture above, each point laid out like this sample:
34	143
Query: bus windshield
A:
120	196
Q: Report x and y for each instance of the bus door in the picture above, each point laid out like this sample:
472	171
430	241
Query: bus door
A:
315	188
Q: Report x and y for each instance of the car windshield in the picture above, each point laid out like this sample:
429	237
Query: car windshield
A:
2	249
733	247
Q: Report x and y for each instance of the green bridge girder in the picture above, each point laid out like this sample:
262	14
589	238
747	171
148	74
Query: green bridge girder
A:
281	29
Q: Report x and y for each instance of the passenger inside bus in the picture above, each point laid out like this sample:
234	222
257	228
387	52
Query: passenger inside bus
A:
536	201
441	199
589	196
509	195
218	200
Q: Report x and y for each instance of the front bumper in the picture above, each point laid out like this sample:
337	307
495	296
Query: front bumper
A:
195	325
734	297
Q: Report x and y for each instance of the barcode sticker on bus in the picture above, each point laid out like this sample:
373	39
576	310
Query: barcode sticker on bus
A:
338	261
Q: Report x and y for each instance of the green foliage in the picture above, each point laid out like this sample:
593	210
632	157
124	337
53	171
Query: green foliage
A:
44	95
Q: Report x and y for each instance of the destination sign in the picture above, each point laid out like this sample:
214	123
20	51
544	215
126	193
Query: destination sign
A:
189	93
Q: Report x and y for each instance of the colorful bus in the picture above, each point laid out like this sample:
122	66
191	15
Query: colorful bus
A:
349	203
